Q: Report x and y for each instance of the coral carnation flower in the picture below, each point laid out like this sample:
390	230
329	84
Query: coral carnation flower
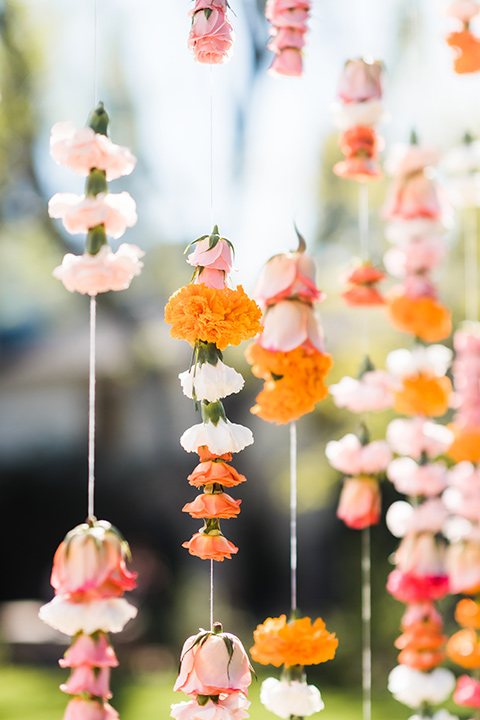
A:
204	454
467	48
295	643
464	648
359	505
361	295
423	394
466	443
213	505
210	472
210	547
467	613
364	274
423	317
91	650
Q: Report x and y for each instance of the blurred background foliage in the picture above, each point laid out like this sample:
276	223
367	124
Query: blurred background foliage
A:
45	68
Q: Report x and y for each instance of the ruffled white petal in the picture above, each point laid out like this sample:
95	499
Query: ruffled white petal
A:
109	615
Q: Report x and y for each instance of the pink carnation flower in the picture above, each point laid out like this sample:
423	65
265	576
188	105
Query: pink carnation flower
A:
424	255
412	479
407	587
274	8
360	81
84	149
349	456
116	211
288	275
372	392
290	324
80	709
463	566
90	651
284	38
93	274
211	35
421	554
416	612
467	692
405	519
85	679
360	502
414	436
229	707
287	62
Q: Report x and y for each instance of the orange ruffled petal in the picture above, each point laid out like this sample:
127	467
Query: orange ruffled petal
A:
210	547
220	316
361	295
466	443
464	648
213	505
422	645
295	643
423	394
210	472
422	316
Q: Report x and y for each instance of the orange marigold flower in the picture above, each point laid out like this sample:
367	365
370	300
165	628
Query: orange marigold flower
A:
467	48
466	443
220	316
423	394
421	316
467	613
294	643
464	648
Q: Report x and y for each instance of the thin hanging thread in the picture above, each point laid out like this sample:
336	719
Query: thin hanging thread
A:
415	64
293	515
470	230
211	594
211	146
91	408
95	51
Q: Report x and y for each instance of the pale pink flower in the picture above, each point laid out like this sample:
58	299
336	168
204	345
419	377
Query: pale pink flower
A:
412	196
431	359
286	38
287	275
93	274
295	17
415	688
412	479
90	563
216	258
373	391
288	62
360	81
116	211
274	8
428	517
416	286
416	435
211	35
463	10
218	664
424	255
211	278
71	617
463	504
290	324
402	232
84	149
360	502
366	114
80	709
465	477
287	698
350	457
463	566
87	679
420	554
466	340
94	651
229	707
416	612
407	159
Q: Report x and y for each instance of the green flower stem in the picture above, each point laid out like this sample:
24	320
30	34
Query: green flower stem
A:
294	673
207	353
96	239
363	434
212	412
211	527
365	366
96	183
98	119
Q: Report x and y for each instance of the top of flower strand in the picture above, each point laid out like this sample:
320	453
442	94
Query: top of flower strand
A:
89	147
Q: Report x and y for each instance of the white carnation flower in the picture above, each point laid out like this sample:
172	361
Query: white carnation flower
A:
440	715
434	358
211	382
221	438
368	112
290	698
414	687
109	615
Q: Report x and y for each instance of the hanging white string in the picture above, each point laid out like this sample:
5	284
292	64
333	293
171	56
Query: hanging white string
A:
95	51
366	625
211	146
211	594
293	515
91	409
470	231
415	62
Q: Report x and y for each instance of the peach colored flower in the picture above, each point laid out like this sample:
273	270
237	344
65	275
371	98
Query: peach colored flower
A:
374	391
276	8
210	546
412	196
295	16
116	211
93	274
284	38
349	456
409	478
93	651
90	563
360	81
227	707
423	317
406	159
212	663
463	10
213	505
360	502
290	324
288	275
423	394
86	679
464	648
211	35
467	613
463	566
361	169
414	436
421	554
467	51
288	62
81	709
209	472
217	258
420	256
84	149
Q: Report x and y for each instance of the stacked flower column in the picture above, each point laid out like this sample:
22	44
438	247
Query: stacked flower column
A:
289	27
465	44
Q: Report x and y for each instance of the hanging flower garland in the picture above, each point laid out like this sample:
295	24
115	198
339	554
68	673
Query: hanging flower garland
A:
98	213
89	577
293	644
465	44
290	354
289	26
466	376
416	211
211	35
210	315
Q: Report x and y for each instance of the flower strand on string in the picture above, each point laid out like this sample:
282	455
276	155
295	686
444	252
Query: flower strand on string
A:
289	26
211	35
465	44
98	213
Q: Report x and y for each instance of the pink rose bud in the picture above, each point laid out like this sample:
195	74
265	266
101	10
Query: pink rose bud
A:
359	505
360	80
217	258
92	650
288	62
286	38
90	563
286	276
81	709
211	36
212	663
85	679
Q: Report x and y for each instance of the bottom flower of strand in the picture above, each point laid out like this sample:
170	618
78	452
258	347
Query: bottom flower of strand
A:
82	709
228	707
92	274
110	615
414	687
210	547
285	698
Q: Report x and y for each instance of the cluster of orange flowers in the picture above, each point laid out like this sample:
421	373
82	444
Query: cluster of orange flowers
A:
294	382
297	642
422	643
424	317
464	646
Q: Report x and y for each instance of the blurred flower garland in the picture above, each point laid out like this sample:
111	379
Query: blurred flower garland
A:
211	35
210	315
89	570
465	44
289	27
